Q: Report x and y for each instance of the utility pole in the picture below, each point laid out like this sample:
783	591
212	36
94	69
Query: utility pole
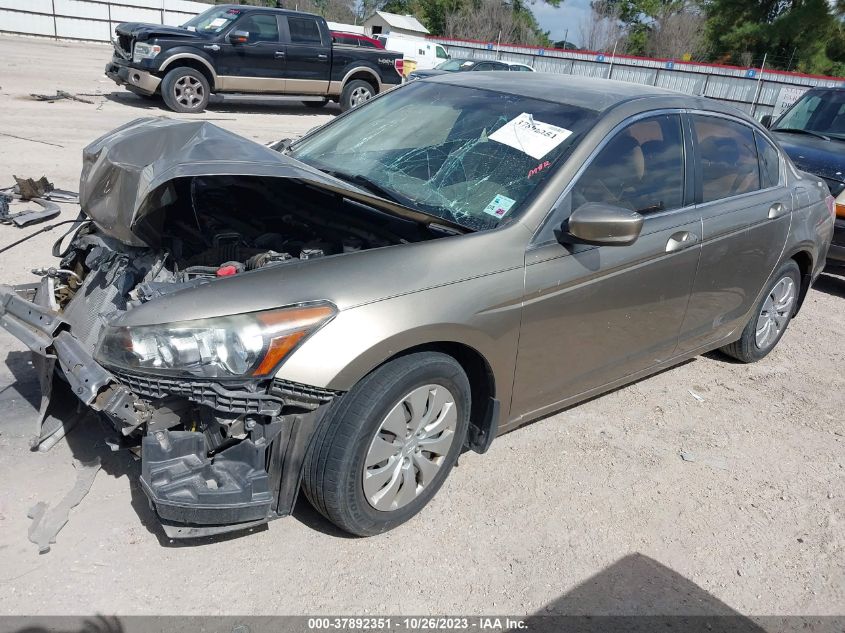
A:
759	85
612	58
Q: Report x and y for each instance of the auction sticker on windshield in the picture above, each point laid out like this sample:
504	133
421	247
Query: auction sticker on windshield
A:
499	206
535	138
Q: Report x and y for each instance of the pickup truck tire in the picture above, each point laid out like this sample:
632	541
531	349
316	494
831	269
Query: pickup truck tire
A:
315	104
355	93
185	90
378	429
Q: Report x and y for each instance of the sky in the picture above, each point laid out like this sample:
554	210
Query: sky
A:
570	15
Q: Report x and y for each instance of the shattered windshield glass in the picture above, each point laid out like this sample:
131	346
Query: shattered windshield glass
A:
473	157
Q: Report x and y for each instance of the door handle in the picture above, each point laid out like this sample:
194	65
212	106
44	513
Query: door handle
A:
322	56
279	55
776	210
681	240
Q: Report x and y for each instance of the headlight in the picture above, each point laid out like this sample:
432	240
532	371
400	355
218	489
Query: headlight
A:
241	345
144	51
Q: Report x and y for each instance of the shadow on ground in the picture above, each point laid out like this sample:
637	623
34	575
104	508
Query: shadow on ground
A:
831	284
636	594
155	106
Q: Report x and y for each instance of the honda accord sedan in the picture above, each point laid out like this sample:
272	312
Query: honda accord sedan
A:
347	313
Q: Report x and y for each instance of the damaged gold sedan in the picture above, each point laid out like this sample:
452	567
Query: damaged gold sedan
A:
347	313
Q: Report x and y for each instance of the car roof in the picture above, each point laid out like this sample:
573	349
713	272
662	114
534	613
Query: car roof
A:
244	8
585	92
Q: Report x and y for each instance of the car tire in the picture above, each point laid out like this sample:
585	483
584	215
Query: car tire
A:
771	316
359	473
185	90
315	104
355	93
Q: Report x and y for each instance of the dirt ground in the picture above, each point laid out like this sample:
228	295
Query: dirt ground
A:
591	510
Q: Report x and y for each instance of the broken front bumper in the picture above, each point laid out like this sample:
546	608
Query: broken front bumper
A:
194	491
140	80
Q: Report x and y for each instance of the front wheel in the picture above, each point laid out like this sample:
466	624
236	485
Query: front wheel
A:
355	93
384	448
185	90
773	313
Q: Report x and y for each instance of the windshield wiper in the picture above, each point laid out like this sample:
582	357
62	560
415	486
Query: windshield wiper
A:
798	130
368	184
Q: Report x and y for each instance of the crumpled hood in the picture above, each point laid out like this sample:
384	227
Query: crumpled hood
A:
142	31
124	171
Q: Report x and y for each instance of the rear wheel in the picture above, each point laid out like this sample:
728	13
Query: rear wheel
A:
355	93
185	90
385	448
773	314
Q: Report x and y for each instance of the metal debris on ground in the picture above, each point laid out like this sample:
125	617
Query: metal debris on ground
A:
47	521
60	94
42	192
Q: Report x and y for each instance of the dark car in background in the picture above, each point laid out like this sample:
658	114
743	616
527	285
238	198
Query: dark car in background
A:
240	50
812	132
460	66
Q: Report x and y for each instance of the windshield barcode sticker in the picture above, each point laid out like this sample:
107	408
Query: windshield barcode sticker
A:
499	206
535	138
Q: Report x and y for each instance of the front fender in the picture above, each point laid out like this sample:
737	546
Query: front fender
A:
170	58
481	313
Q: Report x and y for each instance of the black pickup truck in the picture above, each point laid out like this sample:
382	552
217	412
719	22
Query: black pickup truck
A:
246	50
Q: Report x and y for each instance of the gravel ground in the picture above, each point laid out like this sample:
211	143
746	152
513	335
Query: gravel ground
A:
591	510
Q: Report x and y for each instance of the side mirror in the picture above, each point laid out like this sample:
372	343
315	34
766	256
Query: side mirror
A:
281	146
602	224
239	37
766	121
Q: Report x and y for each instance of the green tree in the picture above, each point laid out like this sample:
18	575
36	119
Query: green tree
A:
805	35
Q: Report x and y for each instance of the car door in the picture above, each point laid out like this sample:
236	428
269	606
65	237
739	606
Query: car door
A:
595	314
256	65
746	211
308	56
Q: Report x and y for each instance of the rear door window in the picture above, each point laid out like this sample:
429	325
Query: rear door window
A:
769	163
641	168
727	154
304	31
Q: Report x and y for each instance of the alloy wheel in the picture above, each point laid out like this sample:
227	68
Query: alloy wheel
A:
188	91
775	314
360	95
409	447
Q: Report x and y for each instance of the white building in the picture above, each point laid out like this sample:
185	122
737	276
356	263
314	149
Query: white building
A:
382	23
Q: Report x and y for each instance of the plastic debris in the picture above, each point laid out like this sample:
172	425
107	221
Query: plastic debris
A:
47	521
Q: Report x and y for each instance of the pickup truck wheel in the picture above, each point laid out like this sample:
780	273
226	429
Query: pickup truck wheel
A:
355	93
185	90
386	446
315	104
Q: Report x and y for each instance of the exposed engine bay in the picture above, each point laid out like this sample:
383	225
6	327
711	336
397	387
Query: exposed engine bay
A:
216	226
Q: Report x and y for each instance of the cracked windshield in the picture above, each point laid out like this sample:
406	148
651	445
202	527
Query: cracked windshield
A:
473	157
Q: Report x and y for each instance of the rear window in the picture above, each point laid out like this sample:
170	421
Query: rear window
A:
304	31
